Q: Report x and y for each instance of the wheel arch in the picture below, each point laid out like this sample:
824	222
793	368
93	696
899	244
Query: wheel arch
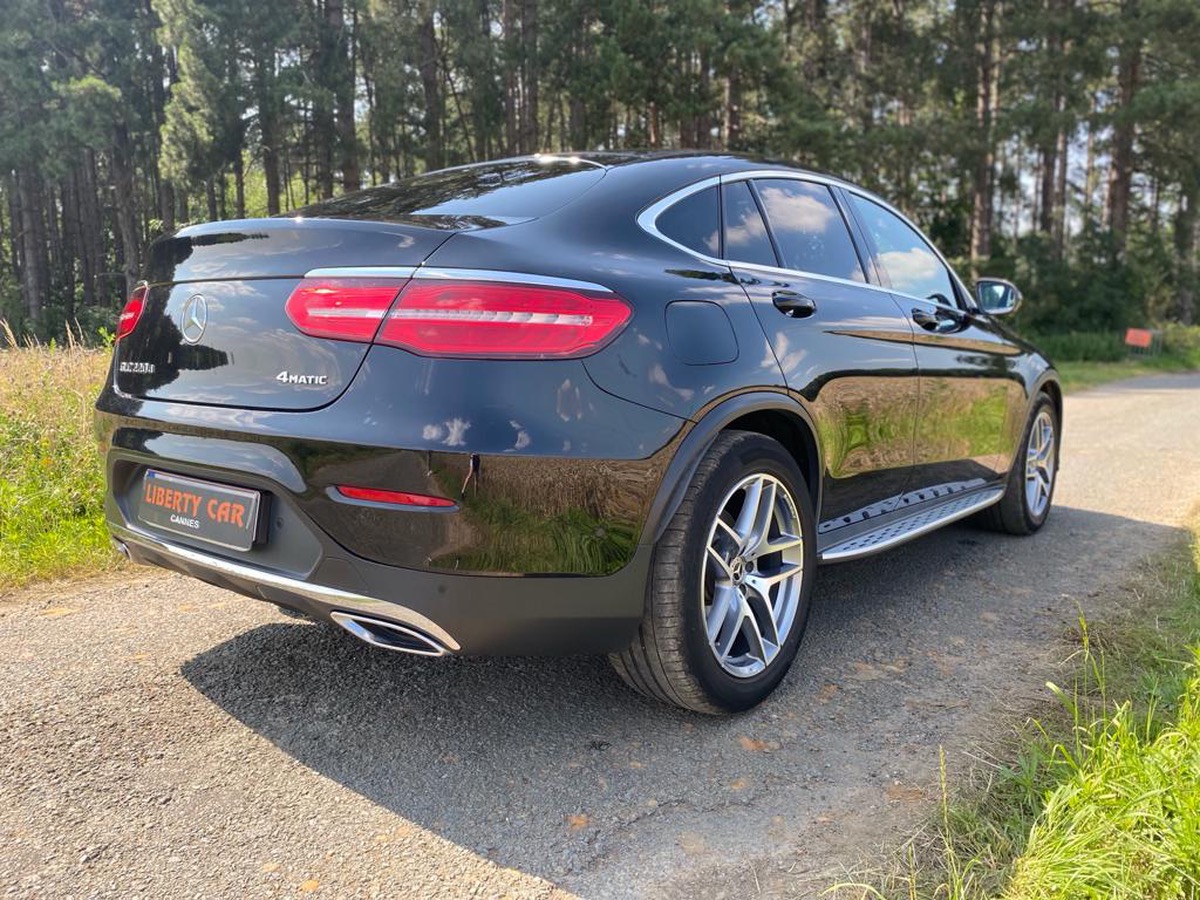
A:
774	415
1050	386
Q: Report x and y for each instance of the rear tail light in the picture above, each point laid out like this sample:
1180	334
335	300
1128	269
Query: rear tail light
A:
344	309
128	319
398	498
497	320
459	318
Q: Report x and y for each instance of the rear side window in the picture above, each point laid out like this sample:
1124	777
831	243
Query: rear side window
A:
695	222
809	229
746	238
911	266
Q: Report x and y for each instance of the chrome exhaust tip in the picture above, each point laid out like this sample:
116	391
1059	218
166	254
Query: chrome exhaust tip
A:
389	635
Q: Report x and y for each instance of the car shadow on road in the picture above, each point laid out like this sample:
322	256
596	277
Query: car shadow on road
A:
544	764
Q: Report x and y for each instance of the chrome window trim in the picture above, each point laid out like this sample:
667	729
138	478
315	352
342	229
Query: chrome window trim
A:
647	220
435	273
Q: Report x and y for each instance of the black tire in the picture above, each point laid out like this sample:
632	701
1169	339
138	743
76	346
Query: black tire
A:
671	658
1012	515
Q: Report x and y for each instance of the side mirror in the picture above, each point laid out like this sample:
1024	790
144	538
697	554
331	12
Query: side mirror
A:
997	297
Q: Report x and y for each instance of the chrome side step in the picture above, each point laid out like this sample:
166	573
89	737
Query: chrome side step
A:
897	531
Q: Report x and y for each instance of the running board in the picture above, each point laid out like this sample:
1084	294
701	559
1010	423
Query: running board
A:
897	531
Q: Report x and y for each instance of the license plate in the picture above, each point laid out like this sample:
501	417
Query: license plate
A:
216	513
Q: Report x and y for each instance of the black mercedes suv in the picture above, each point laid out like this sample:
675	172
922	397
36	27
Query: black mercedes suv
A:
604	403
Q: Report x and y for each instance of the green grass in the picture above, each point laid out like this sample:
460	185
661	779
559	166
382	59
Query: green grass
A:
1078	375
51	481
1088	359
1098	795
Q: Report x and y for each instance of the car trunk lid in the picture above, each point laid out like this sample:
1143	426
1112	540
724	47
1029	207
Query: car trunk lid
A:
214	329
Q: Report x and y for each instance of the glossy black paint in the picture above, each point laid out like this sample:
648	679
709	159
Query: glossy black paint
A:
564	468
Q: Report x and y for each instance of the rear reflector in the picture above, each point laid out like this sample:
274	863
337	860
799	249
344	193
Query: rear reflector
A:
344	309
497	320
128	319
398	498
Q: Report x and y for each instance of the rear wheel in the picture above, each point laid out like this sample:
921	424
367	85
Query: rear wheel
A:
1026	502
730	582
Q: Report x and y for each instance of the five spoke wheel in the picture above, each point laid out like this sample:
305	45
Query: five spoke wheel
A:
752	575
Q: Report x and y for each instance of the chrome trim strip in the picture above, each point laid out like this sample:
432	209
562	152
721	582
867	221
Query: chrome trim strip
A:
359	627
384	609
361	272
985	500
435	273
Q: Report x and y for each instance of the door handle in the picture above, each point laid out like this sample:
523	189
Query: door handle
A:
797	306
939	322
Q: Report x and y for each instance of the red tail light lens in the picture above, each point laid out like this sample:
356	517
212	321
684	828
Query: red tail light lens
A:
399	498
128	319
495	320
344	309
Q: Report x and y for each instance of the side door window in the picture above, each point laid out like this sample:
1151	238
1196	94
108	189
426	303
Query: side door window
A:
906	259
808	227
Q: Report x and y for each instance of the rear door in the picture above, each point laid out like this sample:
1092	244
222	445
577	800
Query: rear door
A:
969	388
843	343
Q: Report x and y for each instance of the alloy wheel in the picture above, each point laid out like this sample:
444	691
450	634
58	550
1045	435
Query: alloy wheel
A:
752	575
1040	464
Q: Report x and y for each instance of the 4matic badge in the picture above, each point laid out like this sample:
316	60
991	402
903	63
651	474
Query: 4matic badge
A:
286	377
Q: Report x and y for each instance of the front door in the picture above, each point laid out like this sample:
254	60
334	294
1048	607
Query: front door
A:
970	389
844	345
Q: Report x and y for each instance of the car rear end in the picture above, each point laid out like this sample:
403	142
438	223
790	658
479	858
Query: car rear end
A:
311	412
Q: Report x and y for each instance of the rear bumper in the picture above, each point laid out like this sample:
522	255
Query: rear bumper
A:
468	614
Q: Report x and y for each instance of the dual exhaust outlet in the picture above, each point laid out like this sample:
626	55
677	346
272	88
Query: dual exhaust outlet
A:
389	635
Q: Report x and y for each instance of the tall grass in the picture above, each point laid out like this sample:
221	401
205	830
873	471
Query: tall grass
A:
1098	795
51	482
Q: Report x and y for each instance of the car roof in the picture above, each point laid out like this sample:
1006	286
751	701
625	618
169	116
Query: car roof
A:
718	163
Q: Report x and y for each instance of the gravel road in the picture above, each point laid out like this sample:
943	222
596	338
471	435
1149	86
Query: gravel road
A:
160	738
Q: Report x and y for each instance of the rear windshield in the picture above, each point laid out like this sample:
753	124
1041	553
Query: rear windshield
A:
475	196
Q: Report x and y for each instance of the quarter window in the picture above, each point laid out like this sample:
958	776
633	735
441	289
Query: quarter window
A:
809	229
746	238
695	222
910	264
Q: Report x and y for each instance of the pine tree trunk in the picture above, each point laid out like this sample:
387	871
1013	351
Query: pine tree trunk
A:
1129	65
530	75
343	69
431	85
1185	248
268	126
985	105
32	236
126	207
511	101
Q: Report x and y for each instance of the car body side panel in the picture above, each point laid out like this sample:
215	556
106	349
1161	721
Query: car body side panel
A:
550	474
972	402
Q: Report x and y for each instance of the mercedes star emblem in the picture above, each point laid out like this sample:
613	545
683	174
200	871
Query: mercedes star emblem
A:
195	318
